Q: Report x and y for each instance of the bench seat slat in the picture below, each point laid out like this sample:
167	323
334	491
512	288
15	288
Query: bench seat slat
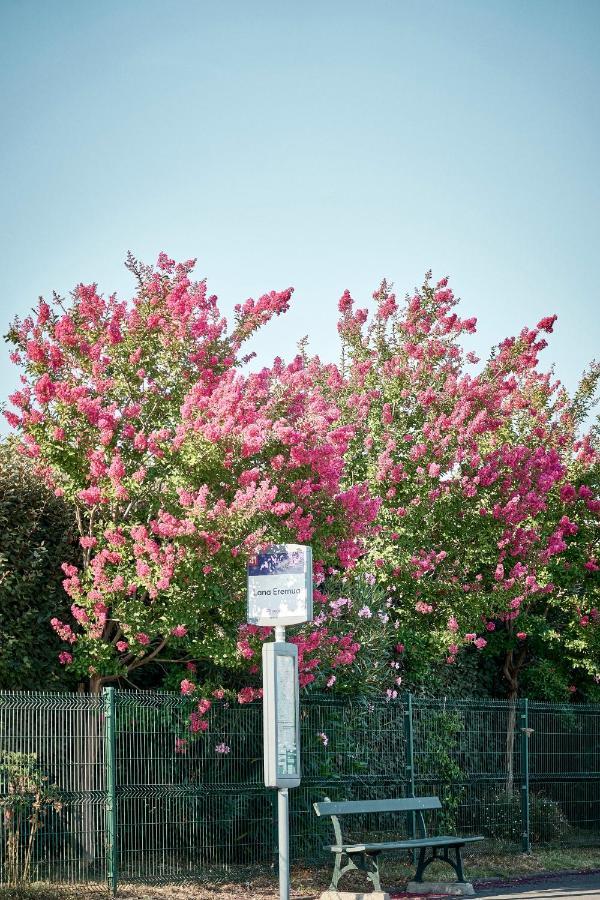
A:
443	841
354	807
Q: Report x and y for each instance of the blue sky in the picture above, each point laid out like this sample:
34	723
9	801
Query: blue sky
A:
320	144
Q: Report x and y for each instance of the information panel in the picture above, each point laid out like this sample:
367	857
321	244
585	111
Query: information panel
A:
286	715
280	585
281	715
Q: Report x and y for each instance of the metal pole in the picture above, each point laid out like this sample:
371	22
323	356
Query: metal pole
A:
111	789
284	844
525	733
283	829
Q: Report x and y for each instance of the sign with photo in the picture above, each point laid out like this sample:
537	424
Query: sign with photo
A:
280	585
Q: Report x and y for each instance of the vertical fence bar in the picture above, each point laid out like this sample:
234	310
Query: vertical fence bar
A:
409	767
111	789
525	733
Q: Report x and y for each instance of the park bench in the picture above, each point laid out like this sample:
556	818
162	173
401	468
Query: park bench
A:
364	856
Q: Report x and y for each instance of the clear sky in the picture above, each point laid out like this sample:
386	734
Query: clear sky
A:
322	144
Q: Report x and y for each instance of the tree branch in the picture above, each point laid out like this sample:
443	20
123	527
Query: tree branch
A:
149	658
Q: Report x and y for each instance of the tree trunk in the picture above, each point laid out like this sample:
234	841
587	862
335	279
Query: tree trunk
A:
92	777
511	670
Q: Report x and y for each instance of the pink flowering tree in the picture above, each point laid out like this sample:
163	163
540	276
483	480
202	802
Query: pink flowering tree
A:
452	509
179	466
487	534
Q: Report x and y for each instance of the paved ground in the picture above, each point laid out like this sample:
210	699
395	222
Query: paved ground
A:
556	887
569	887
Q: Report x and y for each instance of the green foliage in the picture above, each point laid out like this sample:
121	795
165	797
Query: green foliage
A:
499	818
545	680
27	799
37	533
438	754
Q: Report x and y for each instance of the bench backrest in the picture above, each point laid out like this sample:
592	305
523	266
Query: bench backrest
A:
354	807
410	805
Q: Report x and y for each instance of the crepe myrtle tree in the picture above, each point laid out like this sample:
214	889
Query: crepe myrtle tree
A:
464	500
487	533
179	466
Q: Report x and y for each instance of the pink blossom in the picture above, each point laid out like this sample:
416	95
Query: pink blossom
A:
244	649
423	608
79	614
92	496
65	658
567	493
187	687
222	748
197	723
44	389
246	695
142	638
179	631
547	323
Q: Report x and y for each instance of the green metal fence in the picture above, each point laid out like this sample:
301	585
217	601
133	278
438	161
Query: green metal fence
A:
102	788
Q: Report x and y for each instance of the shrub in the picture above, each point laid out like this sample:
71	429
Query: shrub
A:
499	818
37	534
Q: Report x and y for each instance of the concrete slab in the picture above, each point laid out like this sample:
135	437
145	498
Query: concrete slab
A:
446	888
352	895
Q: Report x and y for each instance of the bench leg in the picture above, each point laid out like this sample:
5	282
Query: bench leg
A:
339	870
421	865
459	867
373	872
455	864
367	863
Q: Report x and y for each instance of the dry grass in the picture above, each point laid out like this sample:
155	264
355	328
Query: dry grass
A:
308	883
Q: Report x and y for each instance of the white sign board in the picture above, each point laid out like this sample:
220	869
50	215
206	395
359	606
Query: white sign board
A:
281	715
280	585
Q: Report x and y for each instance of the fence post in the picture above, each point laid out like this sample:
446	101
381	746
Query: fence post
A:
111	789
525	734
410	762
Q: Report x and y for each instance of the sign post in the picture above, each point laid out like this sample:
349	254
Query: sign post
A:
280	594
